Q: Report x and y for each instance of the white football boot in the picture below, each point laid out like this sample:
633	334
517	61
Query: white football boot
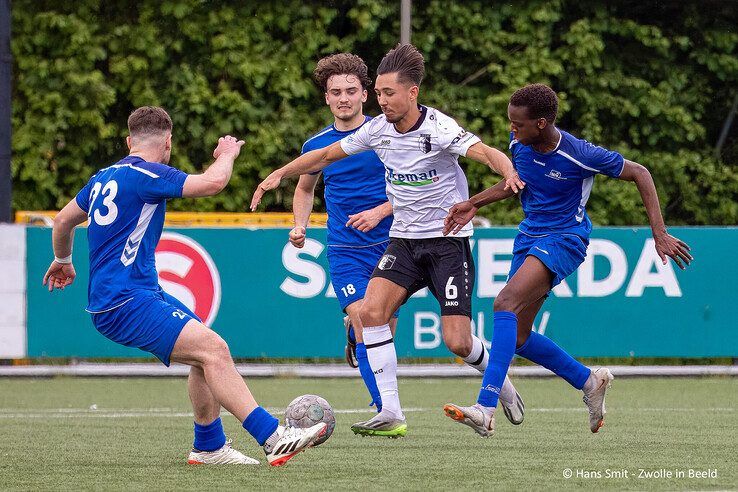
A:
473	416
514	409
601	379
226	455
286	442
382	424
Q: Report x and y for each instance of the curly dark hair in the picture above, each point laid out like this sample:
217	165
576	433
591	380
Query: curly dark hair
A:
406	61
540	100
341	63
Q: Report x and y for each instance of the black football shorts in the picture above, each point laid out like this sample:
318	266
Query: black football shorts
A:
443	264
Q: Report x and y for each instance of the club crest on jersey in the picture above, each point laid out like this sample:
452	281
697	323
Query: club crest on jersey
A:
386	262
424	142
554	174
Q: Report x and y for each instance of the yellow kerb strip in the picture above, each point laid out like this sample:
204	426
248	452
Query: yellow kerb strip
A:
194	219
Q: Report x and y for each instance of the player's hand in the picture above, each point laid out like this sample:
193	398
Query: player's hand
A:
365	221
271	182
459	215
514	183
59	275
229	146
297	236
676	249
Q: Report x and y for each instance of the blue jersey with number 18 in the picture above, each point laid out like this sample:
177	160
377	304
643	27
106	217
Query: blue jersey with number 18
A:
125	205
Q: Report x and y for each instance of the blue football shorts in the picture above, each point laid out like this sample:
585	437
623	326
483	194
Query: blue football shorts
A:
350	270
561	253
150	321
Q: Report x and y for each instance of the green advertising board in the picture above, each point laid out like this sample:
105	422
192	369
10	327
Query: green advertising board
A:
268	299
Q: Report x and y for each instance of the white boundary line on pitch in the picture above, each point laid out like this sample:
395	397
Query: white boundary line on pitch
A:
128	369
57	413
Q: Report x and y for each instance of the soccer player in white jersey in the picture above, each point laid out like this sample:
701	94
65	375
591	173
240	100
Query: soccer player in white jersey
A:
419	147
559	171
124	205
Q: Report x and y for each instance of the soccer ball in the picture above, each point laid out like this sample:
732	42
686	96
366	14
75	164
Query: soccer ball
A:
308	410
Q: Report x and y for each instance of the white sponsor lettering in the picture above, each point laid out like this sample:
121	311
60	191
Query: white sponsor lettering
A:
562	290
313	272
643	277
492	270
309	278
587	286
427	330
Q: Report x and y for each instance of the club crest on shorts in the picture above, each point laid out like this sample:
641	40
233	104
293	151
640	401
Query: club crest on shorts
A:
425	142
386	262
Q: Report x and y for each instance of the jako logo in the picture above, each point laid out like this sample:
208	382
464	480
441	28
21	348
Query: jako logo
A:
187	272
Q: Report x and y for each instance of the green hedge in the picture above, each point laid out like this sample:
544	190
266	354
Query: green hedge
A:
655	82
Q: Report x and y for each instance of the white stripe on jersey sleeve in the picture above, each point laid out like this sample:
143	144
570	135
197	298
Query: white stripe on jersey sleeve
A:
133	243
561	152
135	168
314	137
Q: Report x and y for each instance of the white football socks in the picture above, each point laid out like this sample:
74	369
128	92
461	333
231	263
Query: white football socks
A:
380	350
478	359
479	356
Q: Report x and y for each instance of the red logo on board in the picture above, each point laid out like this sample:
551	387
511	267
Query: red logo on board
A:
187	272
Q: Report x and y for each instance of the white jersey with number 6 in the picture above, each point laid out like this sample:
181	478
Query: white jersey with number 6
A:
421	169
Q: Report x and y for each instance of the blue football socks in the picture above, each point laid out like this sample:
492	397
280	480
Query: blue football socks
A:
260	424
545	352
368	376
209	437
502	351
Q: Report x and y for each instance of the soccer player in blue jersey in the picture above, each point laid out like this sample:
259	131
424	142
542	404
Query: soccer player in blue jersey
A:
124	205
559	171
419	147
359	214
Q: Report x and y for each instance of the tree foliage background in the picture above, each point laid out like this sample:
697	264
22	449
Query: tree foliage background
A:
653	80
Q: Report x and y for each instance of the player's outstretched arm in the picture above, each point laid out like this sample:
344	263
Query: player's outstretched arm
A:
309	162
216	177
666	244
463	212
302	207
367	220
498	162
61	271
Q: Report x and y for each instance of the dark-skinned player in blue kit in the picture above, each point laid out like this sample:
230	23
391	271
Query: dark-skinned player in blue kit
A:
559	171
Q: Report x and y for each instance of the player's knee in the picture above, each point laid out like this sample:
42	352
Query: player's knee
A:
216	350
506	301
372	315
460	346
